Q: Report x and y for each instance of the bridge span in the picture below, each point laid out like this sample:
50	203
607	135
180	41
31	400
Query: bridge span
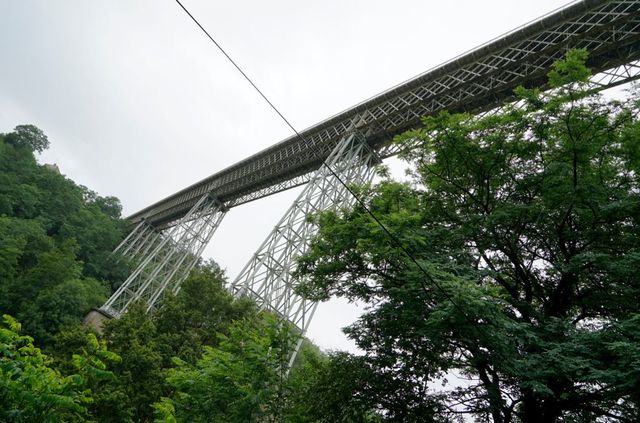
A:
478	80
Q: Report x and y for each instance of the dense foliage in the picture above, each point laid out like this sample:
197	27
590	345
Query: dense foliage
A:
30	390
56	239
525	229
185	327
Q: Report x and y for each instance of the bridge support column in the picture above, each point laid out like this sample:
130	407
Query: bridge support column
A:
166	257
267	276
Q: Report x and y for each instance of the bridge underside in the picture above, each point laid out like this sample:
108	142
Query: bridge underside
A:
479	80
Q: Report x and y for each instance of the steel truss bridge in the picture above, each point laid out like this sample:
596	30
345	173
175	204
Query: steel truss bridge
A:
169	236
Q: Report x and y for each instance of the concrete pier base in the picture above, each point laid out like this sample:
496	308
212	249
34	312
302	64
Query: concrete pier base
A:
95	319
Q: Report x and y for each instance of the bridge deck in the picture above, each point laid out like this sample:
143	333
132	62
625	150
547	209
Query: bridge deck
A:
478	80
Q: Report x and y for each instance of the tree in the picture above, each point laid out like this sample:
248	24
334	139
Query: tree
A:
30	390
347	388
240	380
77	350
198	314
139	375
524	231
62	305
29	136
183	327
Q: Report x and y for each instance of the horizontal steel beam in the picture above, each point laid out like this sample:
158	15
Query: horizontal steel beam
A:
478	80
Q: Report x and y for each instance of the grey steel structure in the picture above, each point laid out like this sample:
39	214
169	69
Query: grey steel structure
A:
267	276
170	234
164	258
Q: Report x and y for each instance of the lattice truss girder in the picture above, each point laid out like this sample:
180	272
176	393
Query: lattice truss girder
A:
603	80
479	80
267	277
164	258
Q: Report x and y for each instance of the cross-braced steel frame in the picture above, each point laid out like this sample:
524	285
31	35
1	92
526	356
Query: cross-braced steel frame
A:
266	278
164	258
139	243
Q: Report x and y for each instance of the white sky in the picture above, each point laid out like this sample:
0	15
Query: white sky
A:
138	104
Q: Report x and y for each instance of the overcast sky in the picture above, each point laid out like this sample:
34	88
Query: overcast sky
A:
138	104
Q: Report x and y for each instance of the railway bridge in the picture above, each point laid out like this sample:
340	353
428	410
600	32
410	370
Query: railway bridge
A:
168	237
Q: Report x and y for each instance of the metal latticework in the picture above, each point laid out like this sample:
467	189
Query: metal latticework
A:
165	257
267	276
134	239
139	243
481	79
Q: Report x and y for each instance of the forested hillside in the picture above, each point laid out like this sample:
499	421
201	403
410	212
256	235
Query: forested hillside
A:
203	357
56	237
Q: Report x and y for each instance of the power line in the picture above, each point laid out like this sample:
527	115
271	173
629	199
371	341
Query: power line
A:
388	233
240	70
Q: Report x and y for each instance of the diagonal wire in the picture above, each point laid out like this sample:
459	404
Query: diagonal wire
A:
395	240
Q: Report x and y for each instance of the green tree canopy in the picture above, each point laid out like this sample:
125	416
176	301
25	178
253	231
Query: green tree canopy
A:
29	136
525	228
240	380
55	240
30	390
183	328
198	314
